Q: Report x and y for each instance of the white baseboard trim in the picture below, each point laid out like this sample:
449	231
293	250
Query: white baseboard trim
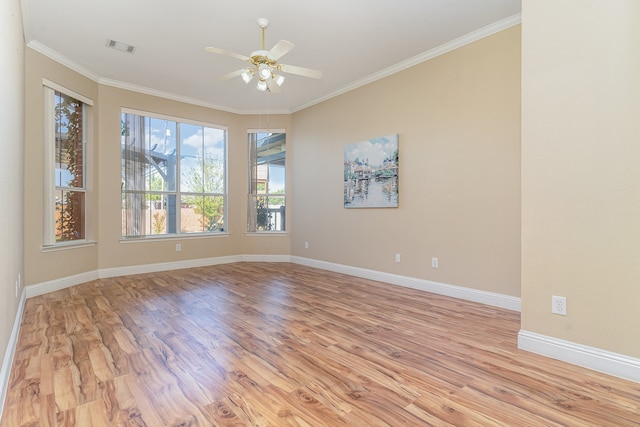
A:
7	361
164	266
266	258
468	294
58	284
599	360
66	282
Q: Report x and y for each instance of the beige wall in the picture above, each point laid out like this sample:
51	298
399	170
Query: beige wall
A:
581	171
458	120
11	171
104	208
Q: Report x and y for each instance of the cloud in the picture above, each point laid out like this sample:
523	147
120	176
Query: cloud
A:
212	139
375	150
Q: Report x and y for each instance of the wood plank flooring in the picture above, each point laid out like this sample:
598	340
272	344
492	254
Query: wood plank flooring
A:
265	344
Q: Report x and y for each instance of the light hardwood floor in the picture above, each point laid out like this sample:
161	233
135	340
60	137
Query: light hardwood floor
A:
262	344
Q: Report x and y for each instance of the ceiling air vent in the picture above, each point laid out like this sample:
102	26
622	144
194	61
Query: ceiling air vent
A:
123	47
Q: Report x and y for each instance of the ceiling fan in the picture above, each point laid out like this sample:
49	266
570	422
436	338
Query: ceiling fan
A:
264	64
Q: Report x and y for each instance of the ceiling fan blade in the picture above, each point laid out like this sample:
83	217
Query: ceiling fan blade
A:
273	87
227	52
231	75
301	71
280	49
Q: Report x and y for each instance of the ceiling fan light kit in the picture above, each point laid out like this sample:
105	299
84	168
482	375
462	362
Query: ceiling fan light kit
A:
279	79
265	71
262	85
247	74
265	64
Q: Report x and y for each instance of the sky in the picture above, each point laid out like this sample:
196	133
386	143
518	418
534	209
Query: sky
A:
375	149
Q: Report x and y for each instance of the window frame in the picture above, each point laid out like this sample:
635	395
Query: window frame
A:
179	192
49	89
252	226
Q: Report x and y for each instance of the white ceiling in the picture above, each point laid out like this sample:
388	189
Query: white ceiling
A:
353	42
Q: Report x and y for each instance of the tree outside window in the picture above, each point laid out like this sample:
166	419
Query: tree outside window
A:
69	168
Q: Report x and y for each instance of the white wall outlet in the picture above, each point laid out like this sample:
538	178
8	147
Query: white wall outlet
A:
178	247
306	245
434	262
397	257
559	305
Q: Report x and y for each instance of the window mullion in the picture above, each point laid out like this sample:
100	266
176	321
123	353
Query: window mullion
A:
178	182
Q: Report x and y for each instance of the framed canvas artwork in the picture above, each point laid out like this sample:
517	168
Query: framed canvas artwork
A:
371	173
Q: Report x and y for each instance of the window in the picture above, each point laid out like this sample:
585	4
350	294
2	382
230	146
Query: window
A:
66	126
267	155
173	177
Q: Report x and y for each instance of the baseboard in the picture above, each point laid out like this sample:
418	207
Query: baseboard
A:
7	361
468	294
58	284
165	266
593	358
266	258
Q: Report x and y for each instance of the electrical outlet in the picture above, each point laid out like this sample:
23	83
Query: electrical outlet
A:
397	257
178	247
559	305
306	245
434	262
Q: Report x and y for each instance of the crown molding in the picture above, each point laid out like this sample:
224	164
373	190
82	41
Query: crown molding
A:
166	95
63	60
187	100
471	37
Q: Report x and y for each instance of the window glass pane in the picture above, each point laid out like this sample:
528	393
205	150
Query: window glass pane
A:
157	206
276	178
202	163
69	167
268	213
135	160
215	159
160	153
191	162
69	215
200	213
147	214
133	220
66	194
262	177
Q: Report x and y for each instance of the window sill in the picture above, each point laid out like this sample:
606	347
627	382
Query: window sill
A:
68	245
163	238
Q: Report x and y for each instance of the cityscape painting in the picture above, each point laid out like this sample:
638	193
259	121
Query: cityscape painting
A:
371	173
